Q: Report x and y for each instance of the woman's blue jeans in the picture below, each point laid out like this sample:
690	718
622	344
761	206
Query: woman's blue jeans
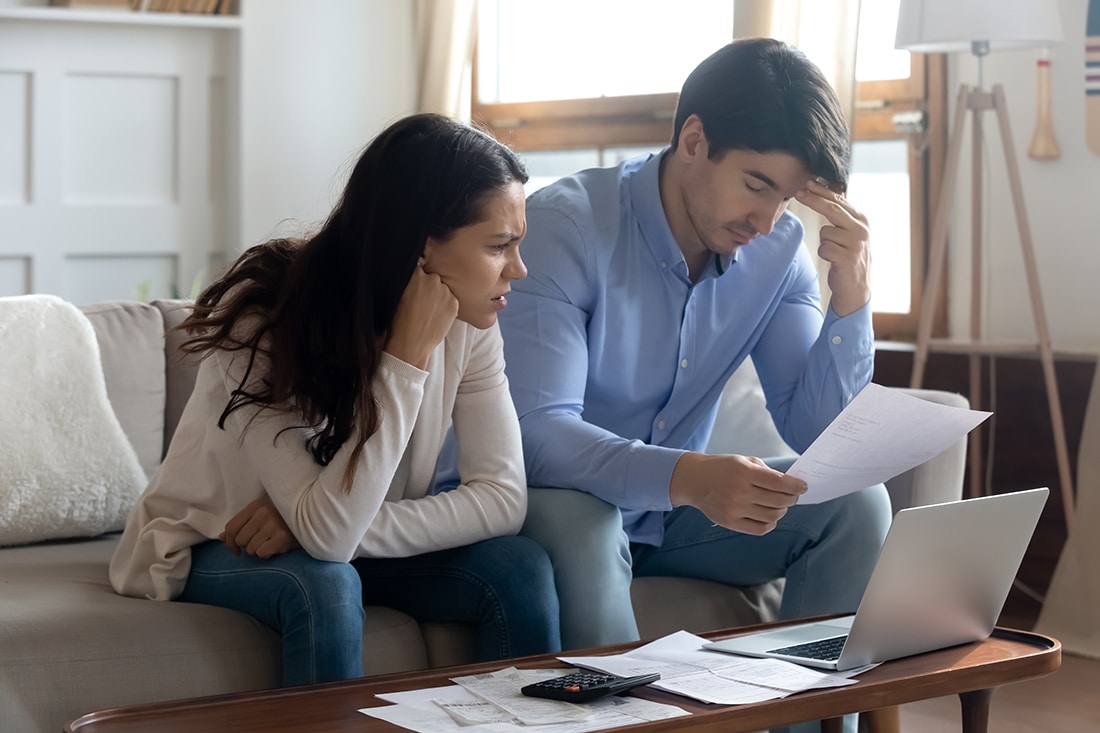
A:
504	585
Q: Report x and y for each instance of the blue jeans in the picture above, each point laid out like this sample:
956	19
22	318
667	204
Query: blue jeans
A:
505	585
825	551
316	606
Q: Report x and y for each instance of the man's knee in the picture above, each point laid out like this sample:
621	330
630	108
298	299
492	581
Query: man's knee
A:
574	522
871	510
862	518
567	508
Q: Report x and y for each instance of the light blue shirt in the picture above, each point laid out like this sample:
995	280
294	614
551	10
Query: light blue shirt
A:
617	360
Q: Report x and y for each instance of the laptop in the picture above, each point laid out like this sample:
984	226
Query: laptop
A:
941	579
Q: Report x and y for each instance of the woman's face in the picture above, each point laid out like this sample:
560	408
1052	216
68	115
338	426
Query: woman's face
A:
478	262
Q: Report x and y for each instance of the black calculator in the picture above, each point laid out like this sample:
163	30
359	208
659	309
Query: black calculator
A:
585	686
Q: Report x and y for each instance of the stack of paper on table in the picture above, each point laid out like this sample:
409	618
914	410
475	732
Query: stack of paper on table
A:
713	676
492	703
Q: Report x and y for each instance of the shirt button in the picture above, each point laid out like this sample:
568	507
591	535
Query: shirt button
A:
837	339
660	424
849	397
664	265
683	363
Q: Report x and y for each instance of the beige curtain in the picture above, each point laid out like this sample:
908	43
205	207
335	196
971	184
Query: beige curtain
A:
1071	612
825	30
445	46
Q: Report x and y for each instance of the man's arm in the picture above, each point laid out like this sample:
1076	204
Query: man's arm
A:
546	350
811	364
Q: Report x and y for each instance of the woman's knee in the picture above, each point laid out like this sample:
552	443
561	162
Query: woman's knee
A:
328	578
515	567
331	588
522	596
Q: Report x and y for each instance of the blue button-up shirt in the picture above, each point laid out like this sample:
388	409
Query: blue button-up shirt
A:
617	360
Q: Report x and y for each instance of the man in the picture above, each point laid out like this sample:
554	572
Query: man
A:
648	284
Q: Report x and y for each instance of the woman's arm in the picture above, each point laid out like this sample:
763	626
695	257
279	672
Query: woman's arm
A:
492	498
327	521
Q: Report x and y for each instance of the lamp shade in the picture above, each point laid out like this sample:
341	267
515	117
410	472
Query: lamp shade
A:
934	26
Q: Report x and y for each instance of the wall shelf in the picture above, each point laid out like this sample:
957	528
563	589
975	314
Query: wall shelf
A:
121	17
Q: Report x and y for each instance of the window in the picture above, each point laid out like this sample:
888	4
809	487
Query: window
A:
598	103
899	141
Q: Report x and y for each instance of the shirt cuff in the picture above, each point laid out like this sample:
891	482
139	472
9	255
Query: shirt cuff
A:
651	472
851	342
403	369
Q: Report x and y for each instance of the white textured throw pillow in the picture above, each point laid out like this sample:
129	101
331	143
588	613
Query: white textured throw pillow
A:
66	469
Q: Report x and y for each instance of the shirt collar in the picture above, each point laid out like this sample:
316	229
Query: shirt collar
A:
645	197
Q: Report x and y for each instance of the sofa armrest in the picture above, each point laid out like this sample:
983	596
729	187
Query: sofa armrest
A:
939	479
180	369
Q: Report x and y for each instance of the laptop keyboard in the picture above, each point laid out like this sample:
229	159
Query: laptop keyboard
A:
826	650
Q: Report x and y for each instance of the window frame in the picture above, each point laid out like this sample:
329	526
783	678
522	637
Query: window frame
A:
876	104
609	122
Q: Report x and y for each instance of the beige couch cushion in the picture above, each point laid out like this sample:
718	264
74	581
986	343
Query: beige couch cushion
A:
666	605
131	347
71	645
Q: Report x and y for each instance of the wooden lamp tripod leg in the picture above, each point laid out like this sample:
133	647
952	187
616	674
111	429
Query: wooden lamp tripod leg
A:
978	103
1046	355
936	264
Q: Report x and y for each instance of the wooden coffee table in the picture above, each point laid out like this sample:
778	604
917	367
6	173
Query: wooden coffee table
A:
972	671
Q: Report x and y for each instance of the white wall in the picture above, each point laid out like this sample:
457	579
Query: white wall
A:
151	148
319	79
1062	201
115	180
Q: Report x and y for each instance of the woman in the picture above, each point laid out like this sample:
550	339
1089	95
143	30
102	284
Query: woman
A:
298	485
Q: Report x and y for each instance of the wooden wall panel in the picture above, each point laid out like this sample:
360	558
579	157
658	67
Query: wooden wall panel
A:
1018	444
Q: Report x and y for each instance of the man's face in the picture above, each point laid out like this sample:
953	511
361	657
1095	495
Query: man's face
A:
742	194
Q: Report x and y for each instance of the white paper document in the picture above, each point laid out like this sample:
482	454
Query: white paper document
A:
881	433
457	709
713	677
501	688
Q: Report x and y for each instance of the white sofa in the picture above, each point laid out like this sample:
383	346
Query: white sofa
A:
69	645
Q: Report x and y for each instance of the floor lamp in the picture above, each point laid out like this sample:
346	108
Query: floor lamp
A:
978	27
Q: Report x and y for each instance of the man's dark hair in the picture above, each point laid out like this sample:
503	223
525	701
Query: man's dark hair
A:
764	95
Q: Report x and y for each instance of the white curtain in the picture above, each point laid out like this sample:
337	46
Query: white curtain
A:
445	45
825	30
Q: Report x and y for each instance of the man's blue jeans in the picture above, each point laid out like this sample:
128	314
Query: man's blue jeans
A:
504	585
825	551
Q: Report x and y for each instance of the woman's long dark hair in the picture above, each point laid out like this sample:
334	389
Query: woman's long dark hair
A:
326	302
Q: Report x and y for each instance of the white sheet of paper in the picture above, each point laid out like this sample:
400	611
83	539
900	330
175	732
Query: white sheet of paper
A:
713	677
501	688
432	711
881	433
429	698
